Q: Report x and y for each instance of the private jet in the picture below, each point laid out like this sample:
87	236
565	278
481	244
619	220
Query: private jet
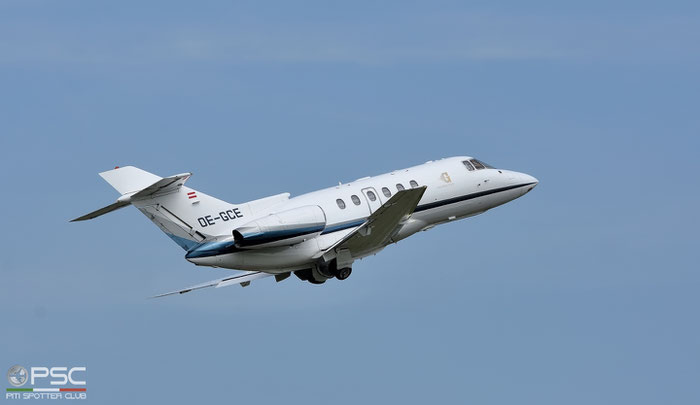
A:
319	235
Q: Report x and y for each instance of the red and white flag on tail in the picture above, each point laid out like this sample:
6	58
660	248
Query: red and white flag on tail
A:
192	196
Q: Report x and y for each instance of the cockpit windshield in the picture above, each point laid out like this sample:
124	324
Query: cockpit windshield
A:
474	164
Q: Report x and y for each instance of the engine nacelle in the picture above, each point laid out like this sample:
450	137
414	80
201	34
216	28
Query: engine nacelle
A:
282	228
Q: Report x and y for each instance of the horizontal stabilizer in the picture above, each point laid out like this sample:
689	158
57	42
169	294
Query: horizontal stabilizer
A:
102	211
130	178
163	186
243	279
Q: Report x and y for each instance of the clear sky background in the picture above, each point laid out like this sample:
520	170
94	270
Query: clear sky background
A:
585	291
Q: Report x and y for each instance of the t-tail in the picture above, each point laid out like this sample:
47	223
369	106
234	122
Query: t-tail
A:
185	215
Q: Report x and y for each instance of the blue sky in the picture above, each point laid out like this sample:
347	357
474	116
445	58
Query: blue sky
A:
584	291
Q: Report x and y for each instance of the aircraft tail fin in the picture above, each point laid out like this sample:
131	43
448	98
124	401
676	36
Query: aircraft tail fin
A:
129	179
175	209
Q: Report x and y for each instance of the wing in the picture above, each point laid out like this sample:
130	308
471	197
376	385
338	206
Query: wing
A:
243	279
380	226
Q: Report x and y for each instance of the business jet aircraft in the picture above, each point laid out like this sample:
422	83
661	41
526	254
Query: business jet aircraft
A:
317	236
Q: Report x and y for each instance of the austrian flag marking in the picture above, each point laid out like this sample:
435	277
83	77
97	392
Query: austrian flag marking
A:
191	195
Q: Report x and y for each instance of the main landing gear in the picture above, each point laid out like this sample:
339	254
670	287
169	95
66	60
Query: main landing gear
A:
331	268
342	274
324	271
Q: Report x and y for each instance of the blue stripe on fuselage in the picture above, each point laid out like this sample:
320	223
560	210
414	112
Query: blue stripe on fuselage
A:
206	249
273	236
343	225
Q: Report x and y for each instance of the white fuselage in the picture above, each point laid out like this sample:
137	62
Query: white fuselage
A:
453	192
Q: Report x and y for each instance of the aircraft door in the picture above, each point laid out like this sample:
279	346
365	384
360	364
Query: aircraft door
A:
372	198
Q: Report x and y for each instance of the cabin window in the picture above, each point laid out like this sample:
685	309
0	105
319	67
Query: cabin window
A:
414	184
399	186
355	199
371	196
341	203
468	165
386	192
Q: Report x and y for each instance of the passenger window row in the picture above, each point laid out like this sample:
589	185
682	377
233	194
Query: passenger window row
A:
373	197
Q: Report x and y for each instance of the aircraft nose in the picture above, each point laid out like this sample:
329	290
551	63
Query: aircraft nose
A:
530	179
519	179
522	180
